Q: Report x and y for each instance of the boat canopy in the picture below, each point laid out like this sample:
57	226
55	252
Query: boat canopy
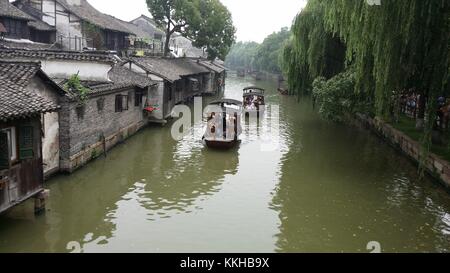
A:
254	88
226	101
253	91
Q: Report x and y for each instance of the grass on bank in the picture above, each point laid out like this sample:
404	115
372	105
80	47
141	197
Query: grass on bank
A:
407	125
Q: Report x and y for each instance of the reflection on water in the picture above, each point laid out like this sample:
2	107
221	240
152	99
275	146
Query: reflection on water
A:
325	187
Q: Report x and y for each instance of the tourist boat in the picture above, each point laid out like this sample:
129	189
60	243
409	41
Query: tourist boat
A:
254	100
223	124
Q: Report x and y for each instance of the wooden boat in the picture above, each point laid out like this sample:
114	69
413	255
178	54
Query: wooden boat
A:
224	124
254	100
283	91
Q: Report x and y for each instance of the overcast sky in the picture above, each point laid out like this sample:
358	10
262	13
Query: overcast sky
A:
254	19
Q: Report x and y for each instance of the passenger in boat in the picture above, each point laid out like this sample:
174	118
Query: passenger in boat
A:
212	116
248	102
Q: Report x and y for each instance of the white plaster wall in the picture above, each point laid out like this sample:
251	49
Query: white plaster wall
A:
48	8
68	26
50	139
156	94
156	98
86	70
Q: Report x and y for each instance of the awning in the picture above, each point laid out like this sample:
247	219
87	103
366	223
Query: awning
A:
2	28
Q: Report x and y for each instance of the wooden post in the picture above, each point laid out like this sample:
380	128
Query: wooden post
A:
40	200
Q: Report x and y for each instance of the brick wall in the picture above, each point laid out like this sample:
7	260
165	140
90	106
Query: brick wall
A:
87	134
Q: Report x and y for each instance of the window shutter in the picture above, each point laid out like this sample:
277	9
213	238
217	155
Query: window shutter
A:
26	142
125	102
119	103
4	151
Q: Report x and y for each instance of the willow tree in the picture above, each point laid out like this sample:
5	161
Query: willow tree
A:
312	51
396	45
393	45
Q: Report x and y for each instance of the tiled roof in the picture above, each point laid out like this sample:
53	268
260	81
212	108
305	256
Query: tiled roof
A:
135	30
35	13
219	63
148	25
33	54
120	74
211	66
170	69
15	101
10	11
88	13
96	88
15	44
41	25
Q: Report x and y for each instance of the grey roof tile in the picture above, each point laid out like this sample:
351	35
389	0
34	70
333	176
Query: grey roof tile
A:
88	13
37	54
10	11
15	101
171	69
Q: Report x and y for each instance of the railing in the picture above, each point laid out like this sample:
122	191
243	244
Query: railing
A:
75	43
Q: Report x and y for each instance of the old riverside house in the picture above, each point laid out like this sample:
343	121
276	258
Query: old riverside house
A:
18	25
217	76
78	26
21	149
102	97
111	112
179	80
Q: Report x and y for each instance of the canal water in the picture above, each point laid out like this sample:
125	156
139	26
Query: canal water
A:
297	185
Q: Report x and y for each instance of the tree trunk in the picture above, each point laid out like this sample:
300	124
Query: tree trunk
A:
166	45
167	42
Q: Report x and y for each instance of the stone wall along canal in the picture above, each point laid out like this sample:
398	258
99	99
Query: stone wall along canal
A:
328	188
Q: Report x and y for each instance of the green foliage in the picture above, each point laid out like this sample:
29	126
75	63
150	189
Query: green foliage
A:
242	55
335	97
259	57
175	16
268	54
93	33
393	46
207	22
74	85
312	51
216	31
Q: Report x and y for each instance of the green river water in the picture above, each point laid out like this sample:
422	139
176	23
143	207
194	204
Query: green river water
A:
326	188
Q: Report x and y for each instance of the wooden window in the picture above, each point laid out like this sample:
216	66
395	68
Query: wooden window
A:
195	85
11	142
121	103
125	102
4	151
26	142
14	28
138	98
